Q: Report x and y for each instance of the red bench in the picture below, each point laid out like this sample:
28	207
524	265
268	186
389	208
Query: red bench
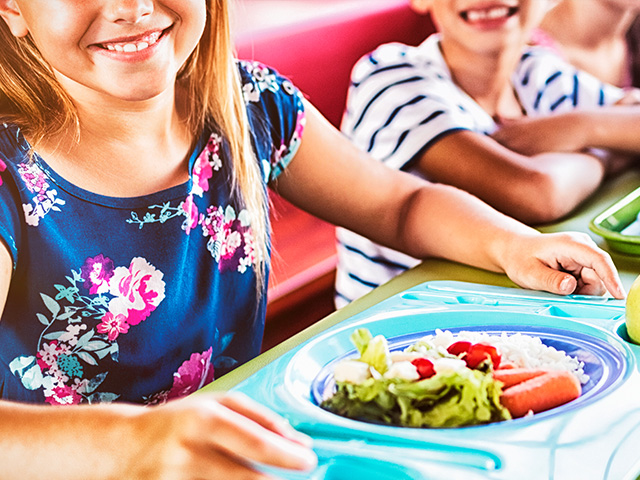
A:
315	43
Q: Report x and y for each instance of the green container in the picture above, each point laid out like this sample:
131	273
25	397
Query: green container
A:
619	224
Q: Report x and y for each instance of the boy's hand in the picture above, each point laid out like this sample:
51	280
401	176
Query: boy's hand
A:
533	136
631	97
562	263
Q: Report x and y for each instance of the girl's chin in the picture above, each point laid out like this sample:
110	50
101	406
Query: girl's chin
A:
139	93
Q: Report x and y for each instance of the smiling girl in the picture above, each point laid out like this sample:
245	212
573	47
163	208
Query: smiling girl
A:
135	154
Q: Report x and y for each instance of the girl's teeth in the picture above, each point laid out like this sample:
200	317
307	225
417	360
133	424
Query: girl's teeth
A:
134	46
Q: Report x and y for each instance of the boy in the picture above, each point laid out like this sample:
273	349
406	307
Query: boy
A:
453	110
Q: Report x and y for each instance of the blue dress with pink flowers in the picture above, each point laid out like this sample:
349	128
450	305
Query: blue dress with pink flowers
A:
138	299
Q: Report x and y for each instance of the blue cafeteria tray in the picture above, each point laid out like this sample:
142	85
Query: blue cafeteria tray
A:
593	437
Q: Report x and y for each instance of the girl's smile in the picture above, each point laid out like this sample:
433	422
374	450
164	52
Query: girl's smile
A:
133	48
133	44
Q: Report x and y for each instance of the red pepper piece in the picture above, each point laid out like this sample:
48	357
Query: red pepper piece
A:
424	367
458	348
479	352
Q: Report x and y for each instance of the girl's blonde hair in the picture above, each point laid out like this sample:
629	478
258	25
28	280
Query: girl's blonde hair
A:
32	98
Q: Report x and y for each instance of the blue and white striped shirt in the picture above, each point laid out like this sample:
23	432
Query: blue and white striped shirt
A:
402	99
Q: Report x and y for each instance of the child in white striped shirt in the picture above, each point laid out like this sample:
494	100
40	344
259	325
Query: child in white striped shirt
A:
475	107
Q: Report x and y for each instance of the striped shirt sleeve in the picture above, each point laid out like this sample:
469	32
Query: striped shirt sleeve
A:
546	84
401	100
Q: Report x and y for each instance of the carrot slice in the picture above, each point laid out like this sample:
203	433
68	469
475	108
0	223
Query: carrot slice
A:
513	376
541	393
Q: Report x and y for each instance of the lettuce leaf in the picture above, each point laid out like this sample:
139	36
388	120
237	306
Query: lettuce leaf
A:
373	350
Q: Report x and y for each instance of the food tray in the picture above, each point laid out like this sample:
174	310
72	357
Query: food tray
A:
619	224
595	436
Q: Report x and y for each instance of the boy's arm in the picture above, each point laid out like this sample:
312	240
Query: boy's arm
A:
614	128
534	189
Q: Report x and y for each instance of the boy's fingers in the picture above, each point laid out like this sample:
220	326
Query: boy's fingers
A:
589	283
575	254
603	267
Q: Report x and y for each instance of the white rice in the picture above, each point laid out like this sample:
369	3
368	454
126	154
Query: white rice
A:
524	351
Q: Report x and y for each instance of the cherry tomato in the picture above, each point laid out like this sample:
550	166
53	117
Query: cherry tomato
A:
458	348
479	352
424	367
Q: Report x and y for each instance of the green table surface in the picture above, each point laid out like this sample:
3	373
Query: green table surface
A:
433	269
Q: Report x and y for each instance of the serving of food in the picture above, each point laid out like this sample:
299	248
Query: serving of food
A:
447	380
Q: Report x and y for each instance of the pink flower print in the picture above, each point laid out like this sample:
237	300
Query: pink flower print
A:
230	244
249	249
231	238
300	125
202	172
34	179
207	162
280	153
191	211
44	200
113	325
97	272
3	167
137	290
48	354
192	375
80	386
286	151
232	248
64	395
214	221
249	252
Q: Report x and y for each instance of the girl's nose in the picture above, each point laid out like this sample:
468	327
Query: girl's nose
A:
129	11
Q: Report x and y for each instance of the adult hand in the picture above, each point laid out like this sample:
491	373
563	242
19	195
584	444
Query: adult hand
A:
562	263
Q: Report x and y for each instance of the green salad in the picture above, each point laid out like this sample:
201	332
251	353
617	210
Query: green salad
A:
418	387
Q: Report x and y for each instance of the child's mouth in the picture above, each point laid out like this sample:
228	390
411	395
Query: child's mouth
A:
134	45
491	14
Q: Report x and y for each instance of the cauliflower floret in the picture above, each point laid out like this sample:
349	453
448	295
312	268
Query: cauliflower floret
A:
404	356
403	370
352	371
448	364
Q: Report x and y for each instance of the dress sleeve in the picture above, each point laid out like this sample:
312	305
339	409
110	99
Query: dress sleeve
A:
276	116
547	84
10	204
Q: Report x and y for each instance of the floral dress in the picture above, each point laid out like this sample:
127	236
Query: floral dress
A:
138	299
